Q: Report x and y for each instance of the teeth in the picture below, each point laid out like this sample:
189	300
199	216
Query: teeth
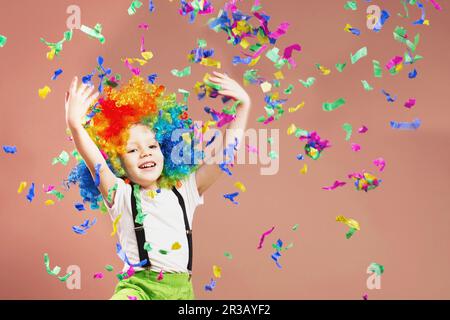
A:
148	165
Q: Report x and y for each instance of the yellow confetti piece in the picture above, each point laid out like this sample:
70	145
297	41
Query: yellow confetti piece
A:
324	70
115	222
217	271
51	55
347	27
278	75
266	86
349	222
304	170
254	61
301	105
44	92
426	22
176	246
245	44
152	194
398	67
147	55
208	124
240	186
49	202
186	137
313	152
22	186
291	129
210	63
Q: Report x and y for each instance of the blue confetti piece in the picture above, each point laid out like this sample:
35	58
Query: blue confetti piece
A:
84	226
10	149
97	174
152	78
355	31
122	255
231	196
412	74
300	157
224	168
80	206
388	96
30	195
56	74
238	60
151	6
275	257
210	286
414	125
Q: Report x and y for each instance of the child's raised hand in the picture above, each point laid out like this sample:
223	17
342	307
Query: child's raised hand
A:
231	88
78	101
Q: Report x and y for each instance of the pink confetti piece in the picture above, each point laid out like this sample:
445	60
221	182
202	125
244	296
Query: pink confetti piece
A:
261	240
252	149
436	5
380	163
270	119
288	53
393	62
363	129
160	276
335	185
132	298
135	71
142	44
365	296
98	275
144	26
356	147
48	189
410	103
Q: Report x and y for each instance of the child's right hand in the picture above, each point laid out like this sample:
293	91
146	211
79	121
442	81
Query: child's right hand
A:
78	101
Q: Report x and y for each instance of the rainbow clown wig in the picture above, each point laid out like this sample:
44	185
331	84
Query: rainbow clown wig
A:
116	111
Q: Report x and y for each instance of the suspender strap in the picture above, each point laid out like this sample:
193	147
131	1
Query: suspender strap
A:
139	230
186	225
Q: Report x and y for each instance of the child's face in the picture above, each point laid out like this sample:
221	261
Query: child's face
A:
143	160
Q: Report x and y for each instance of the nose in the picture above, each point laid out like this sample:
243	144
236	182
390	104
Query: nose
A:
145	153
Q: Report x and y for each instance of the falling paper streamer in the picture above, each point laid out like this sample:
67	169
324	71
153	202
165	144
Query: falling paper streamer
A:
376	268
10	149
366	85
355	147
330	106
30	195
263	236
348	130
363	129
94	33
183	73
44	92
55	271
231	196
22	186
299	106
335	185
228	255
63	158
84	226
133	7
380	163
414	125
358	55
308	83
115	222
410	103
210	286
240	186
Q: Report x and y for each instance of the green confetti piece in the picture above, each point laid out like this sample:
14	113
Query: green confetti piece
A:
103	208
330	106
273	55
270	140
280	64
183	73
350	233
77	155
63	158
406	10
295	227
163	251
289	89
232	109
3	40
377	268
109	268
276	83
51	272
110	192
256	8
261	119
228	255
340	66
351	5
377	73
64	278
68	35
290	245
185	94
137	194
148	247
94	33
300	133
201	43
308	83
348	129
273	155
358	55
250	75
58	194
366	85
133	7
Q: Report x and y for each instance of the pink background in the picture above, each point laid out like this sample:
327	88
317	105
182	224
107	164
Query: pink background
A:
404	223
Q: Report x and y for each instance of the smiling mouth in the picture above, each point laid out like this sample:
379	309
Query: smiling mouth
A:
148	165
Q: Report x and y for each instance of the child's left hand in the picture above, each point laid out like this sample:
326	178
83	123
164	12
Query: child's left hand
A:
231	88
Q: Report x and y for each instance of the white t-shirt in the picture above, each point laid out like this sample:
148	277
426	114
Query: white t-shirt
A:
163	224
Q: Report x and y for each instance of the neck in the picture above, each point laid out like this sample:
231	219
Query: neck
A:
150	187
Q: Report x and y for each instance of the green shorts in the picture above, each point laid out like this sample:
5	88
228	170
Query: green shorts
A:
145	286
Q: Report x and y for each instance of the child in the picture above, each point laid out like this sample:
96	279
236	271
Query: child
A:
127	147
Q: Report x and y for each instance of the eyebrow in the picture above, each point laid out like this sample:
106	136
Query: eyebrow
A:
134	142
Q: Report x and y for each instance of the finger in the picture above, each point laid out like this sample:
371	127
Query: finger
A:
84	89
216	80
227	93
73	85
92	98
88	90
218	74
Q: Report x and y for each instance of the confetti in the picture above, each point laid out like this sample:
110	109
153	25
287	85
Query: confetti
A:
380	163
377	72
30	195
10	149
350	233
228	255
131	297
56	74
299	106
115	222
388	96
300	157
210	286
98	275
22	186
414	125
358	55
94	33
351	5
330	106
3	40
363	129
376	268
323	70
160	276
335	185
261	240
295	227
240	186
365	181
308	83
97	174
410	103
348	130
55	271
44	92
304	169
231	197
217	271
412	74
109	268
133	7
183	73
365	296
351	223
80	207
366	85
49	202
63	158
355	147
148	247
340	66
176	246
84	226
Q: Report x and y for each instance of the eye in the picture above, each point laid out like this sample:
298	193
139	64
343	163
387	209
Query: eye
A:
153	146
131	151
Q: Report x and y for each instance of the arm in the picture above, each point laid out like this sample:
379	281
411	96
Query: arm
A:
78	101
207	174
